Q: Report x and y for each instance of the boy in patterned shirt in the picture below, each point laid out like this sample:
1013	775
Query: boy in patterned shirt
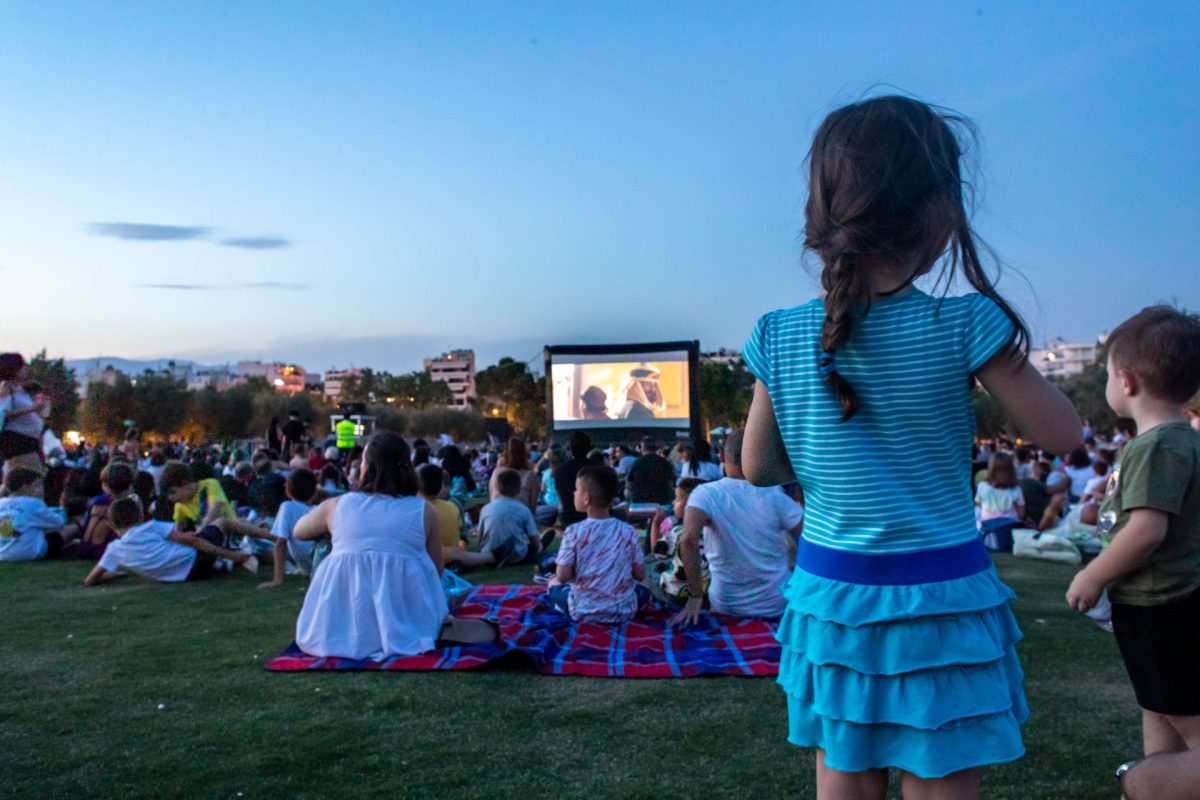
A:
600	571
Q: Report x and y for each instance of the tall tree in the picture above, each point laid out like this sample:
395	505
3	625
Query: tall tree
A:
58	383
725	393
511	386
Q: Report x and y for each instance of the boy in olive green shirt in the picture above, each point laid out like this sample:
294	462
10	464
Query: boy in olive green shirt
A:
1150	519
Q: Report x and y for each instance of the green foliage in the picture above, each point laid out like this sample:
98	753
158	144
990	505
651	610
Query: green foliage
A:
990	419
461	425
725	394
510	386
58	383
413	390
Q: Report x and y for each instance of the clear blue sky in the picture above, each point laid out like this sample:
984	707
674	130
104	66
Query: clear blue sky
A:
375	182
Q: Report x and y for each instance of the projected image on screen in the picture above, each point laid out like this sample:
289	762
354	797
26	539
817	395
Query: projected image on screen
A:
641	390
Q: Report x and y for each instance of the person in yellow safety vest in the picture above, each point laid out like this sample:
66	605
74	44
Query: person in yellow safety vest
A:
345	434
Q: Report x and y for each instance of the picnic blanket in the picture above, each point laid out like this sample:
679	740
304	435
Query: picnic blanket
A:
555	645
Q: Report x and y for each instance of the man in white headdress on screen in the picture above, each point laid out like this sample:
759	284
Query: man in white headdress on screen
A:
643	396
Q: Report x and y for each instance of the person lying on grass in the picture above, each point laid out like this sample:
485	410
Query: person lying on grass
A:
159	551
29	529
600	571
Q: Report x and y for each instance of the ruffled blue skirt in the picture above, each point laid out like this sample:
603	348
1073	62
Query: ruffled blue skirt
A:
922	676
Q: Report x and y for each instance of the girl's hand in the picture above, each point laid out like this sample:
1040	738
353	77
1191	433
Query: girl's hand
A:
1083	593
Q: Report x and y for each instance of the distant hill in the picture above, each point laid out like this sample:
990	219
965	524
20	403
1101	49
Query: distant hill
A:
130	366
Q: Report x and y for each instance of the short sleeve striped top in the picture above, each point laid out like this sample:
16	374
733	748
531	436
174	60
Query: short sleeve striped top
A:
895	478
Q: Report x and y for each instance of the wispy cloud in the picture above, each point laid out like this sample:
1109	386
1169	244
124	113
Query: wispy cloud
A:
219	287
257	242
146	232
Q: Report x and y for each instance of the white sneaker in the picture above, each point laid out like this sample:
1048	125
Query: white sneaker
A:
251	565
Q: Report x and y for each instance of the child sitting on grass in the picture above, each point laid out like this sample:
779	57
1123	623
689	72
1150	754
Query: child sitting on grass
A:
197	503
664	548
507	530
599	570
158	551
301	489
1150	520
431	481
116	480
29	529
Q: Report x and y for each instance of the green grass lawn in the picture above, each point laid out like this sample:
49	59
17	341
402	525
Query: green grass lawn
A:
146	690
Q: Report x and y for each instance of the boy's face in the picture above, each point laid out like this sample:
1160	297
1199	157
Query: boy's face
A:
582	498
184	492
1115	390
680	504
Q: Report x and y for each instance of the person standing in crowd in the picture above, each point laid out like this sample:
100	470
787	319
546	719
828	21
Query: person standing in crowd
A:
893	589
293	432
20	417
274	436
651	478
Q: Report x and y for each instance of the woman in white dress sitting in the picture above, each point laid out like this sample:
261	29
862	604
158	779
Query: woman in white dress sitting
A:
379	592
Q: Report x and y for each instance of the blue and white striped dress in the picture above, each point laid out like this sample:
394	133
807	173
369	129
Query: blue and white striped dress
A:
898	641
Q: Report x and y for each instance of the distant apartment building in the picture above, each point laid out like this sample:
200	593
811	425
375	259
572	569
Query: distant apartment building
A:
730	358
1062	359
220	379
285	378
335	379
456	369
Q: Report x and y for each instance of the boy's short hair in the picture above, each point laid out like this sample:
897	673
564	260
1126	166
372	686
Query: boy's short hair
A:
1161	345
430	480
508	481
302	484
601	483
1041	471
174	475
688	484
17	480
118	475
263	464
125	512
243	469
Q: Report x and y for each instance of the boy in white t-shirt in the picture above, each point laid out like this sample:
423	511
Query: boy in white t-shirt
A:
156	550
749	535
600	571
29	529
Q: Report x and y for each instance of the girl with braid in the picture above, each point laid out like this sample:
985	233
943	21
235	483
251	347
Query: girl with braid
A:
898	640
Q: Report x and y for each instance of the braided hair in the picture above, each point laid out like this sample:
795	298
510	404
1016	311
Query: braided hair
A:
885	201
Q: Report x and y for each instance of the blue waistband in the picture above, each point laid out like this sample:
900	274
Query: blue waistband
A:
894	569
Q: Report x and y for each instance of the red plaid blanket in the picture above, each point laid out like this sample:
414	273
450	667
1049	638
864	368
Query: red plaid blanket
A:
644	647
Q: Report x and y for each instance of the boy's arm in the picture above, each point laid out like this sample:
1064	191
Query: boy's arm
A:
243	528
100	575
564	570
280	565
694	521
1140	537
202	546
